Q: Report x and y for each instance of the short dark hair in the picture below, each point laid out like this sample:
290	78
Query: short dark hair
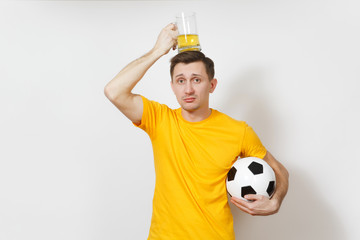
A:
190	57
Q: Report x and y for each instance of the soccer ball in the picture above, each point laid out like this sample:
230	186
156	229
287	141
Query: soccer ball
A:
250	175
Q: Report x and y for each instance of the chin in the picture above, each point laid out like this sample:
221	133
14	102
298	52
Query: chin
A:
189	108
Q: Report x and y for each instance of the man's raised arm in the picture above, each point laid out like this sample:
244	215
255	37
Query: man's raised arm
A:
118	90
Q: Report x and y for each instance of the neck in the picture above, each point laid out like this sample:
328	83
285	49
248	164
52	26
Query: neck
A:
195	116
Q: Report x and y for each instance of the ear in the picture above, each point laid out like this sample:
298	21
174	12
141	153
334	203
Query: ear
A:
213	84
172	85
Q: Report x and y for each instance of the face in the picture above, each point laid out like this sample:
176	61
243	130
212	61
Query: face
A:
191	86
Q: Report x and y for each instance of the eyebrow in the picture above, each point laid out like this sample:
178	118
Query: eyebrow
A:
193	75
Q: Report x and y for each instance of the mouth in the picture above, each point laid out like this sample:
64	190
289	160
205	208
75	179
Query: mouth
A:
189	99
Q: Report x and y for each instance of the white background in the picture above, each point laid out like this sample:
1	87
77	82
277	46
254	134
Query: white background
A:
73	167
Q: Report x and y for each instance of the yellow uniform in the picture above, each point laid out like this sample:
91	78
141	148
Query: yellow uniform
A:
192	160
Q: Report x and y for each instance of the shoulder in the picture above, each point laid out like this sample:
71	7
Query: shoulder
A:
154	104
154	115
220	116
156	110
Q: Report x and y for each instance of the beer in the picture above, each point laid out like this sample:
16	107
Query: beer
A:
188	42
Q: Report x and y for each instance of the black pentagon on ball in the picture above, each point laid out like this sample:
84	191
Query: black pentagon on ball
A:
247	190
271	188
256	168
231	174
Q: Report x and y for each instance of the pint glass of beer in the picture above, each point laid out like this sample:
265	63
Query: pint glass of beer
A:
188	38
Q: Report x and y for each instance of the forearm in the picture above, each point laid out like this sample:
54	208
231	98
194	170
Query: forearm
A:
282	184
282	179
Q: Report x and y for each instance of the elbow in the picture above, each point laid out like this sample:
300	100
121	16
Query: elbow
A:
109	92
284	172
115	95
287	174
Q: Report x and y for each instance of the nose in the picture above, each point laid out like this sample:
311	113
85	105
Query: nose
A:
189	89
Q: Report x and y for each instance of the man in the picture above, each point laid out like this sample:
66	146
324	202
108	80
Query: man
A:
194	147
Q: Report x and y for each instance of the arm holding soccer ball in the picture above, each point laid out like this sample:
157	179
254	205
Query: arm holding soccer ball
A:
118	90
259	205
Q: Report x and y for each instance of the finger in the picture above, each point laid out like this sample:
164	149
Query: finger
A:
175	43
252	197
236	199
242	207
241	202
238	204
171	26
244	201
174	29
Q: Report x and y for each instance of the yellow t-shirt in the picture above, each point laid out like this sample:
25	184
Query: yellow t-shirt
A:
192	160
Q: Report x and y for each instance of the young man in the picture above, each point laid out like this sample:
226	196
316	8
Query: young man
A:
194	148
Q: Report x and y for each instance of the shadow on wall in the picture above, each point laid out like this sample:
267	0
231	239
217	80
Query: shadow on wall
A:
304	213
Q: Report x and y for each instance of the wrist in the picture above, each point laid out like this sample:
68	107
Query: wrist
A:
157	52
276	203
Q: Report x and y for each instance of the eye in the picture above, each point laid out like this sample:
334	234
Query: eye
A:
197	80
180	81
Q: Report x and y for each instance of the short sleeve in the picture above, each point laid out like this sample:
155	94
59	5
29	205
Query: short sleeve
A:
251	145
151	116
